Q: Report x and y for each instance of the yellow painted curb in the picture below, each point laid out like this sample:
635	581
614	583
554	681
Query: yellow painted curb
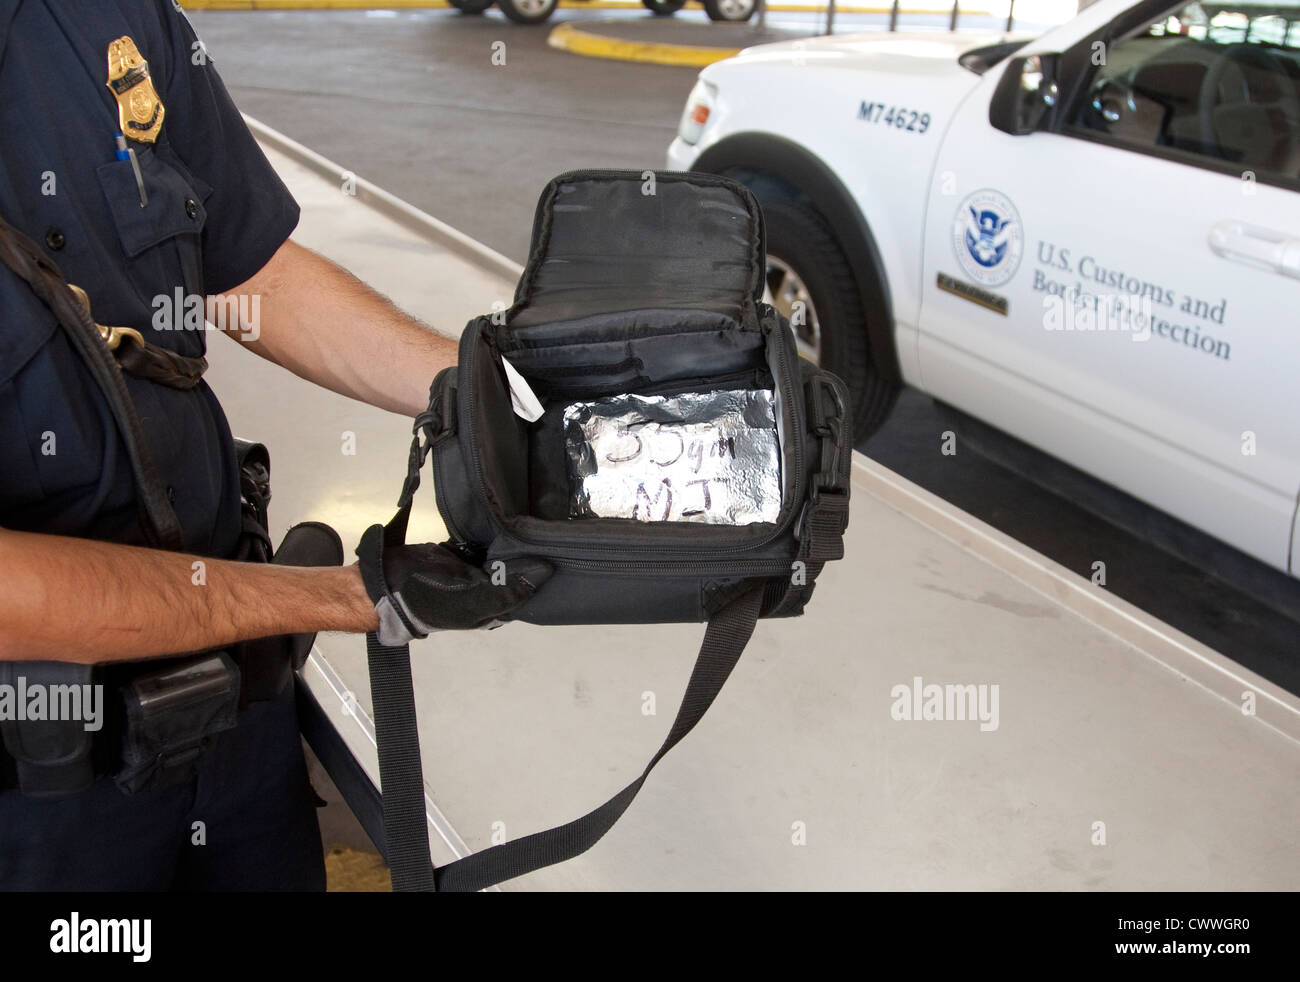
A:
566	37
779	8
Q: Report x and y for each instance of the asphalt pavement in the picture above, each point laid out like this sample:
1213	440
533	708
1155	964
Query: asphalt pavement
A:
464	117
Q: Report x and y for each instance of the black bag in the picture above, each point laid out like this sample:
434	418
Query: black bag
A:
633	285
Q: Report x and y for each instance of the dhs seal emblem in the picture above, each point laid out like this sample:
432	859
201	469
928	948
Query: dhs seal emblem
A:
988	238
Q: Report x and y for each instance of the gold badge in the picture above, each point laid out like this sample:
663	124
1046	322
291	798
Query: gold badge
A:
139	110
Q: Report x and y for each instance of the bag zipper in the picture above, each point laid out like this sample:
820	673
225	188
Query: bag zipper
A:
440	496
749	567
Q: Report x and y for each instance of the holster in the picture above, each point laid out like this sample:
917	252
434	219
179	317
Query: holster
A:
267	664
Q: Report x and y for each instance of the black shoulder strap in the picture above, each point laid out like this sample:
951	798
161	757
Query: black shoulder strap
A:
402	779
393	697
162	528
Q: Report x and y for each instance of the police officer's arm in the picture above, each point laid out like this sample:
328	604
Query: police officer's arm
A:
315	319
65	599
323	324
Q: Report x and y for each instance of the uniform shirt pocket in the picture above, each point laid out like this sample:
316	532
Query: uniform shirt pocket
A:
174	207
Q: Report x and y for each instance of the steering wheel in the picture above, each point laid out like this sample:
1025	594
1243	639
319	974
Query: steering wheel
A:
1238	56
1113	99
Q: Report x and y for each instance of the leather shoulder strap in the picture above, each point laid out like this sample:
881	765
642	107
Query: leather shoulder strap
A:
18	252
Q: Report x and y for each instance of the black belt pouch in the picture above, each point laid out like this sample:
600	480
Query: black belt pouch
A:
172	717
50	757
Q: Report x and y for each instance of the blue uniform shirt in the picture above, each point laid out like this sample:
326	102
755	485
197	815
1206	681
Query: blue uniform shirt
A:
216	213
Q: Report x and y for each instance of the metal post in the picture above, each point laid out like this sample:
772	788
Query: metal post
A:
893	16
830	16
1011	15
952	22
762	16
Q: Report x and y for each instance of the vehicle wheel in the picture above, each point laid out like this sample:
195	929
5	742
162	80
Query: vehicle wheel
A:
471	6
528	11
806	265
730	9
663	8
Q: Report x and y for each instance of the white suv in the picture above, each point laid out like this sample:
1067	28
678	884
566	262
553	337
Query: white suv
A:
1090	240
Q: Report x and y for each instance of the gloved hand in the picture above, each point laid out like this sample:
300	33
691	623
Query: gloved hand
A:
418	589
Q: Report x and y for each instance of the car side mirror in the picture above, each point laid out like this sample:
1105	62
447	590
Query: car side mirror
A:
1026	95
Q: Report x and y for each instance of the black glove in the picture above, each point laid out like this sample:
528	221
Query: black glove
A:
419	589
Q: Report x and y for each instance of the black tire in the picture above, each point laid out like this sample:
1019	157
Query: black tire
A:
542	12
663	8
730	10
471	6
801	239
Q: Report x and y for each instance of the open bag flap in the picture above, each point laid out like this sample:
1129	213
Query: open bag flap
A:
665	245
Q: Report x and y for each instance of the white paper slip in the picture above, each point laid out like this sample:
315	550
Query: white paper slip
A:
522	397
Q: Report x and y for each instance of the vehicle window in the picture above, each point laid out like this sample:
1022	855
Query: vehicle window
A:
1218	80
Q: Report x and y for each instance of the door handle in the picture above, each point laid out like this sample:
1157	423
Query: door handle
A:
1263	248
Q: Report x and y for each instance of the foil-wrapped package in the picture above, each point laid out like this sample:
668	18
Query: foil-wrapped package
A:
707	457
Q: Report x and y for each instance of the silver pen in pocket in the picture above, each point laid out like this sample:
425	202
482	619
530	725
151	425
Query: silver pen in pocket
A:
128	153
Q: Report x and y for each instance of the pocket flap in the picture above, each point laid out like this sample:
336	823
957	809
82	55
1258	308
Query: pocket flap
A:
173	206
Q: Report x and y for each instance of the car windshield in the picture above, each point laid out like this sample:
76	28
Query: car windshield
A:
980	60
